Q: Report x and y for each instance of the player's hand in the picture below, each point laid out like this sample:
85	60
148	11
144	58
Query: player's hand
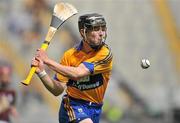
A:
42	55
38	63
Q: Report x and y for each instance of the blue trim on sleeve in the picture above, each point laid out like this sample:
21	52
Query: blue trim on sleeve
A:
90	66
55	77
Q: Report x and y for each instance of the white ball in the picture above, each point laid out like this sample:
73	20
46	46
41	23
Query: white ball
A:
145	63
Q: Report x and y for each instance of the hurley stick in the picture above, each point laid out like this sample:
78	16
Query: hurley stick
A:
61	12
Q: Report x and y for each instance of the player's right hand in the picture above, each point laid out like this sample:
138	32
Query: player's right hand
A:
38	63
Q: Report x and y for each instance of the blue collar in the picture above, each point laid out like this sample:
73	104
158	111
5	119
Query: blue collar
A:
79	46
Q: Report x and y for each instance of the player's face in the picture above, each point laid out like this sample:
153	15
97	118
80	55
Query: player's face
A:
96	35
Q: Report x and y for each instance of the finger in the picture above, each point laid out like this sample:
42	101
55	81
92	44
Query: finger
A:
38	49
38	59
37	55
33	58
41	50
34	63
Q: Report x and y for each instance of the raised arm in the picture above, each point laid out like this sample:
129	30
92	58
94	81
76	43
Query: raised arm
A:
68	71
55	87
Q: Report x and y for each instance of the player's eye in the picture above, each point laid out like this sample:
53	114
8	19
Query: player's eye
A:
103	28
97	28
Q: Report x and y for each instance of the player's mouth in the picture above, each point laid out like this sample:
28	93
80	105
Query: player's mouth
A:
100	40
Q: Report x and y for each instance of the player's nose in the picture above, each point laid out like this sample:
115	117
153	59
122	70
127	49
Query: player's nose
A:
101	32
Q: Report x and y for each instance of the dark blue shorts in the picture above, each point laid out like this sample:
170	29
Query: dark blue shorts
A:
75	110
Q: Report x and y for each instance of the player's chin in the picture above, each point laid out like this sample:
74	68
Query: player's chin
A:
99	42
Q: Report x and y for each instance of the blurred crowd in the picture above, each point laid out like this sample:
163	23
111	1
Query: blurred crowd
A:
8	94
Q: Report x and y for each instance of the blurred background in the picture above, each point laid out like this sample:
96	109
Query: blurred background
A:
136	29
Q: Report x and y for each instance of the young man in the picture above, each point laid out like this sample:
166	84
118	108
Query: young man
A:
84	70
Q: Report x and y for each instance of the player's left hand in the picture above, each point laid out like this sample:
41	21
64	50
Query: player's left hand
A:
41	54
36	62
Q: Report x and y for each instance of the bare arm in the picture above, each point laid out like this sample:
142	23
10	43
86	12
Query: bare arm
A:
68	71
55	87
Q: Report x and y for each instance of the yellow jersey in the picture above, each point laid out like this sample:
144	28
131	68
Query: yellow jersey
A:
90	88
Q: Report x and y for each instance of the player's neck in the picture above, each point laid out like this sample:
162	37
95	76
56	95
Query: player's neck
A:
86	48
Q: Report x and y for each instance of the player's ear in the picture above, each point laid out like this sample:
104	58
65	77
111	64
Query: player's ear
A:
81	32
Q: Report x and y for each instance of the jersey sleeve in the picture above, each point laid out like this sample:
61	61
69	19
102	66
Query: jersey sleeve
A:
58	76
101	62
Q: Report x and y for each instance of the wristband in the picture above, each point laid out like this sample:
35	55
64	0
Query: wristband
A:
42	74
